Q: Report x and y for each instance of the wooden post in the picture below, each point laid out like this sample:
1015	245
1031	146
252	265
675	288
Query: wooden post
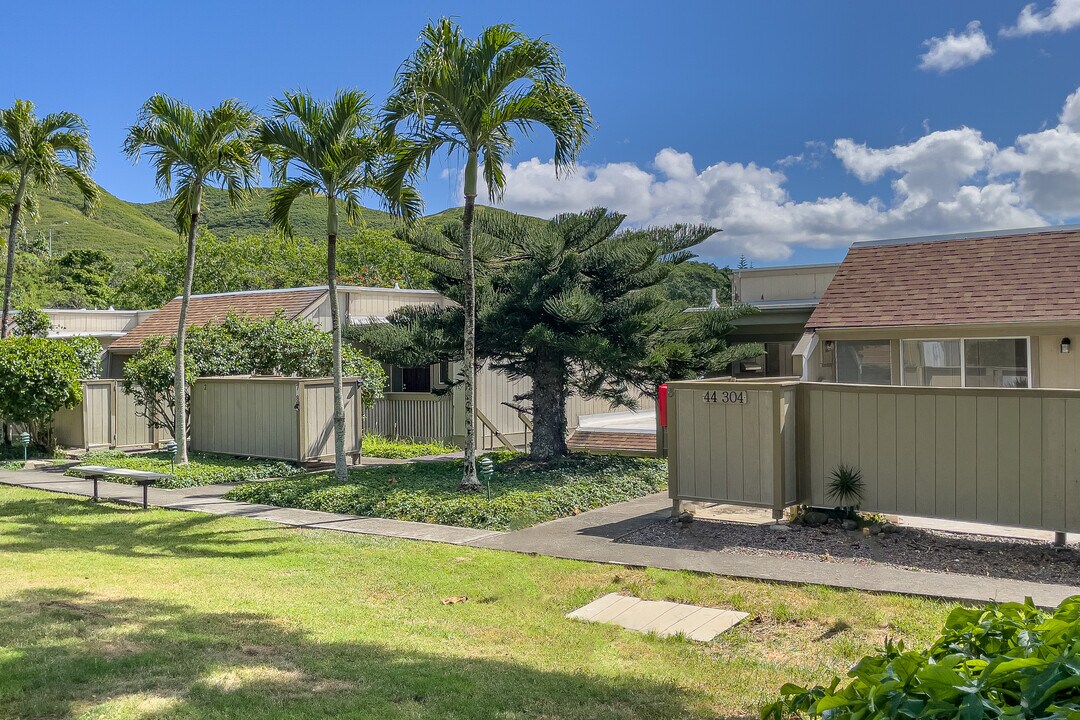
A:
672	440
778	452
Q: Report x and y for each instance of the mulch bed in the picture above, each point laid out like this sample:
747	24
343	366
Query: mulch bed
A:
908	548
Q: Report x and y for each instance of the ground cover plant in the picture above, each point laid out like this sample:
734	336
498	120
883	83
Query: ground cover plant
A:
379	446
109	612
520	492
1010	660
202	468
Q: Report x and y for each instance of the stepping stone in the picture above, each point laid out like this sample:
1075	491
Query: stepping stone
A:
656	616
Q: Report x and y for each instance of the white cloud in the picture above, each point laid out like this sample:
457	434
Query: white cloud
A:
1047	164
1062	15
945	181
956	50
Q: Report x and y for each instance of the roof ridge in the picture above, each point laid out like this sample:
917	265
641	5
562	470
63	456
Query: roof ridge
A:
1045	230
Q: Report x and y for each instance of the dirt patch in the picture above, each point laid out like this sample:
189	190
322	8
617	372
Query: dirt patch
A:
908	548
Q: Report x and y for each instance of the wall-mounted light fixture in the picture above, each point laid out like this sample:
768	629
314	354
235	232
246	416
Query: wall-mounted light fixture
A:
1066	345
828	345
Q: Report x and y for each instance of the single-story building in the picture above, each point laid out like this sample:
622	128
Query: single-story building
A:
997	309
413	404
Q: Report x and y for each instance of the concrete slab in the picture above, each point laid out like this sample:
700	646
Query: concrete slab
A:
658	616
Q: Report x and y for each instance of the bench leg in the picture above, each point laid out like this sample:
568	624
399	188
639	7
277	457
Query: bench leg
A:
95	488
144	487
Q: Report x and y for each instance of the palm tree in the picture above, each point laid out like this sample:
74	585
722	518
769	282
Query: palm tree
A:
460	94
190	149
40	153
329	148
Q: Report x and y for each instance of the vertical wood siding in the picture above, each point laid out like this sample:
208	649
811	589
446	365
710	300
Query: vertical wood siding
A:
420	416
255	417
737	453
1008	457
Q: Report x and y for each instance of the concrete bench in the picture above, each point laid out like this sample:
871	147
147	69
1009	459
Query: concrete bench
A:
141	478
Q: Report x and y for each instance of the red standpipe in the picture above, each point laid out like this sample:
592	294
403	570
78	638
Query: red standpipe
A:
661	401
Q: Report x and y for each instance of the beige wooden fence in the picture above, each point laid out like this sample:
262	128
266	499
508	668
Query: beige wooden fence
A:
990	455
1007	457
272	417
107	417
421	416
732	441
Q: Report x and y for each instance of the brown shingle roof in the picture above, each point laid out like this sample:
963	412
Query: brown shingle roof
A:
1024	276
204	308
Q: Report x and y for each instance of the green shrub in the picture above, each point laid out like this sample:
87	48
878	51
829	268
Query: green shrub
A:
999	661
521	492
403	448
846	486
203	468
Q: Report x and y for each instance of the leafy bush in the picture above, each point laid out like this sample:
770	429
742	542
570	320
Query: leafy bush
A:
37	378
203	468
402	448
998	661
31	322
522	492
88	352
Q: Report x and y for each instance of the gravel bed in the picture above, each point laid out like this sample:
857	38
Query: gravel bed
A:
908	548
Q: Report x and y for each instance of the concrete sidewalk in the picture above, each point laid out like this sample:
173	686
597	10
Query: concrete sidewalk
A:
209	499
590	536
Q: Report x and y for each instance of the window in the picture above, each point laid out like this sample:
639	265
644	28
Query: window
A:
932	363
416	379
966	362
864	362
996	363
776	362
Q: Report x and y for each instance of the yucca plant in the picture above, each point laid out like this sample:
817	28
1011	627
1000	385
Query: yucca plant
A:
846	486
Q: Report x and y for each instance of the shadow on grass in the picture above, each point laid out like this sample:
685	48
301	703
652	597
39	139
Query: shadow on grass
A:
67	523
66	654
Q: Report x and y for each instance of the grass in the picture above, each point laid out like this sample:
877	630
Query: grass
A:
203	468
403	448
111	613
519	494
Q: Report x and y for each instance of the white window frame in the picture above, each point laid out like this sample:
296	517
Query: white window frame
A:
963	354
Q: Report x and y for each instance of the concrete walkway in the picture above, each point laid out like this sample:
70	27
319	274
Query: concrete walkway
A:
209	499
590	536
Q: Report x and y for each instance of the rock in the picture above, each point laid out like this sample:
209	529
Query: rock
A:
686	518
779	527
850	524
890	528
875	529
815	518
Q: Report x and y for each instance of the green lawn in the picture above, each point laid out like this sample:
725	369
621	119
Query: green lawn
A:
202	468
378	446
110	612
521	492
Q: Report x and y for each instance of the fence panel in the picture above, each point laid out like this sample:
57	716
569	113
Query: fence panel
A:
990	455
733	442
256	417
317	418
420	416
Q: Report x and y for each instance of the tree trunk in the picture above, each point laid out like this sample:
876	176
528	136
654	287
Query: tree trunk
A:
9	272
341	469
469	480
180	431
549	410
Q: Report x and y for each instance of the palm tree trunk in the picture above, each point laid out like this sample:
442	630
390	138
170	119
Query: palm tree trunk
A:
9	272
469	480
341	471
180	428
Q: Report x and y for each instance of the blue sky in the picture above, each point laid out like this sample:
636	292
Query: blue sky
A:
798	127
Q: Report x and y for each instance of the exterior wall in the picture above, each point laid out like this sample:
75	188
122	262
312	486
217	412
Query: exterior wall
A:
801	282
1009	457
316	418
741	453
93	322
1050	368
